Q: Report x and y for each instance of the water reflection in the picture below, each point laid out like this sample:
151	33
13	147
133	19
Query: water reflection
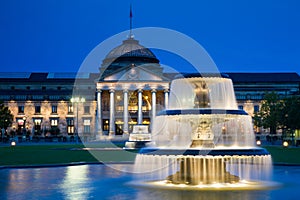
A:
76	183
101	182
203	195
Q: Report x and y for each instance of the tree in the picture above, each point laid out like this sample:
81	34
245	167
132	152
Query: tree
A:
6	117
290	114
270	112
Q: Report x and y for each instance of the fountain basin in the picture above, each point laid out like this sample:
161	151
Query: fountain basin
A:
203	111
204	166
241	186
203	152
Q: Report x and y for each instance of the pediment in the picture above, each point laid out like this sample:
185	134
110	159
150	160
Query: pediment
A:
134	74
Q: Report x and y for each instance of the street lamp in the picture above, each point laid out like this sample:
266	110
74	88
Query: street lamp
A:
77	100
24	128
285	144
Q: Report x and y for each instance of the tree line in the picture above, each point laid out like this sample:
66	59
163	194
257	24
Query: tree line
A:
6	117
279	113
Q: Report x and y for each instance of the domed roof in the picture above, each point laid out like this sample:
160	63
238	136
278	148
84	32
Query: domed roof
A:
130	48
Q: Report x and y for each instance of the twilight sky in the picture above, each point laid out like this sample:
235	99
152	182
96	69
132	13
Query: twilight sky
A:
239	35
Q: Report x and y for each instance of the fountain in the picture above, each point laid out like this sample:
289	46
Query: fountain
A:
202	140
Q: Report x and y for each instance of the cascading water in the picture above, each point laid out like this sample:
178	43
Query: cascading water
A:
202	139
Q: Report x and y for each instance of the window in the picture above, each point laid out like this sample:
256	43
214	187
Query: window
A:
21	125
70	125
54	122
12	87
21	109
86	125
37	125
105	125
70	108
256	108
20	97
37	121
28	87
54	97
240	107
43	87
86	109
37	97
37	109
54	109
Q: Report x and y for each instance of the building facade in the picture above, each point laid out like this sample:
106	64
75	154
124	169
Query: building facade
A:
41	103
130	88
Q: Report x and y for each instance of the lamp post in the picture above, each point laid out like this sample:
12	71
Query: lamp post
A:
24	129
77	100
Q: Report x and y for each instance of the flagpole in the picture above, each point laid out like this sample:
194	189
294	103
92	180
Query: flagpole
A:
130	16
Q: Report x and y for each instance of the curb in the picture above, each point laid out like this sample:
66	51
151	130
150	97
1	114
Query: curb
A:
63	165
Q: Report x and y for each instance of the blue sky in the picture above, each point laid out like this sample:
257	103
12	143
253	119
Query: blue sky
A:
239	35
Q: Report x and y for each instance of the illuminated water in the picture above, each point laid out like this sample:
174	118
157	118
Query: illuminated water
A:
202	138
203	110
195	170
101	182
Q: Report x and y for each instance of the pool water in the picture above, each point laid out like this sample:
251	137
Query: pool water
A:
103	182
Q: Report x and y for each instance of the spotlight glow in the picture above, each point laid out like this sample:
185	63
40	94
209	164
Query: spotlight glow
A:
13	143
258	142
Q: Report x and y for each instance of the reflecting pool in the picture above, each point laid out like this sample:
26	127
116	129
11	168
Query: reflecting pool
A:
102	182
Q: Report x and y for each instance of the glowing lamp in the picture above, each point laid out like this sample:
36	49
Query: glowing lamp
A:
285	144
258	142
13	143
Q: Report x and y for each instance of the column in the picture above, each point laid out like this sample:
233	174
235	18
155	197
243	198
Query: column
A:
112	112
166	98
99	113
125	111
140	104
153	113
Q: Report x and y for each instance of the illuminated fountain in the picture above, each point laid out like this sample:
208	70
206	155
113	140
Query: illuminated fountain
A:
202	141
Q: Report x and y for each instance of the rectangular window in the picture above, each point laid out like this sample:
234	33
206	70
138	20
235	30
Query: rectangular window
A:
37	121
37	126
54	122
70	109
20	122
105	125
256	108
21	125
70	125
37	109
86	109
20	109
20	97
54	109
86	125
240	107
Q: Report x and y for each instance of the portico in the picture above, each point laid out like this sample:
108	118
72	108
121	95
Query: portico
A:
130	103
131	89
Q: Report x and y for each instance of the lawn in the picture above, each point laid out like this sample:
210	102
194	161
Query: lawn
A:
290	155
58	154
63	154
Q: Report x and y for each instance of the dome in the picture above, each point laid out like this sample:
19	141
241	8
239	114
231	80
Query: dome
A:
130	49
